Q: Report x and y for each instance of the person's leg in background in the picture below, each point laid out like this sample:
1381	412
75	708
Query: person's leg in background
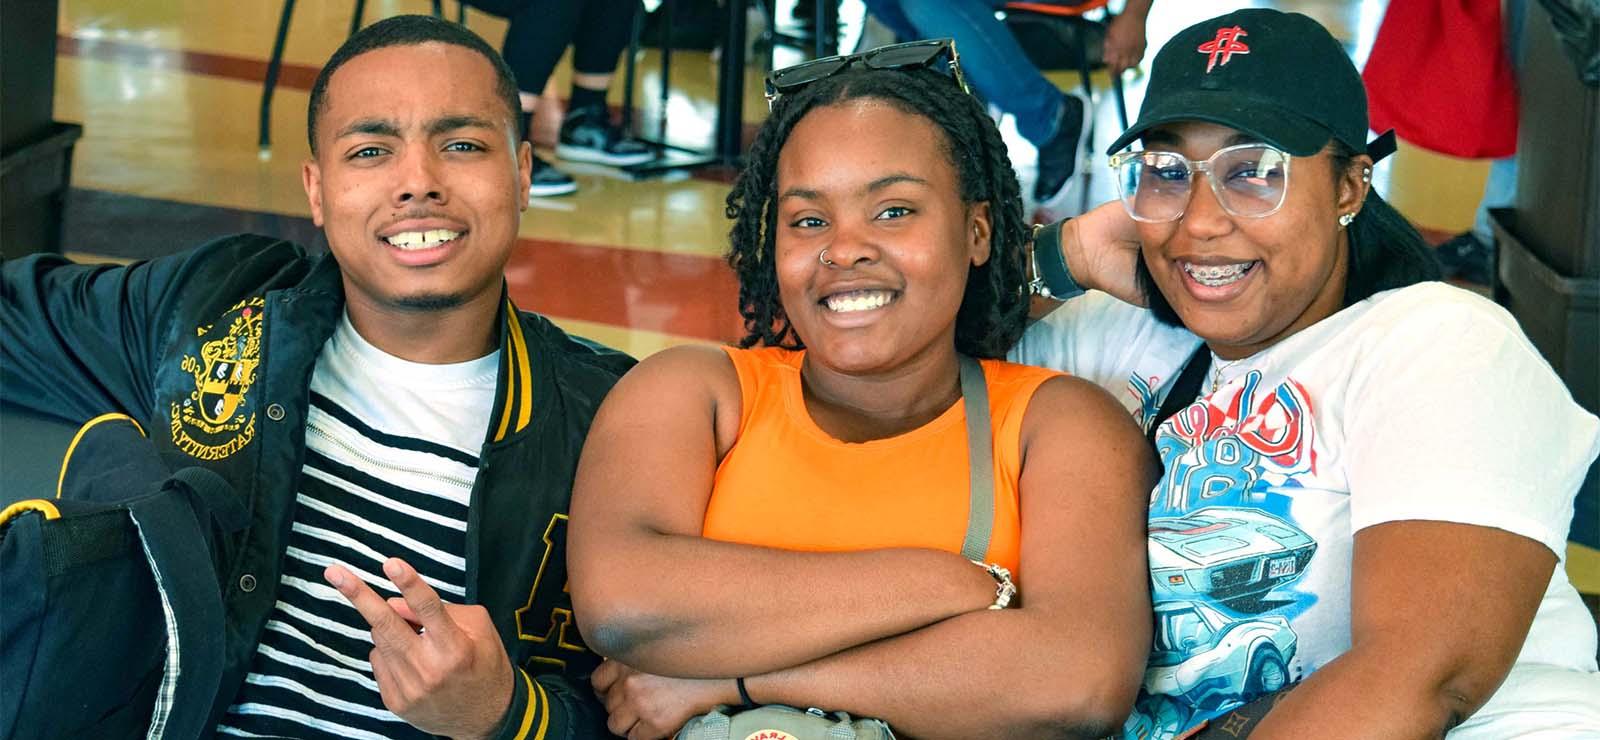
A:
588	133
889	14
1470	256
997	67
537	36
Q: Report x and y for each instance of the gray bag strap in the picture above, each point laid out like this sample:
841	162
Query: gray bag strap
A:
980	461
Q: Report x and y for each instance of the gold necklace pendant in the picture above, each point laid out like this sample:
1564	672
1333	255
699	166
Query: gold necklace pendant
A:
1217	368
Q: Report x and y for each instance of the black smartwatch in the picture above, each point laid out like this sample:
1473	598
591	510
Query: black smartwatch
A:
1051	278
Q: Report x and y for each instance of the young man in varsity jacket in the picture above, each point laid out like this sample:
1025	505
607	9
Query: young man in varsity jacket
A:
405	437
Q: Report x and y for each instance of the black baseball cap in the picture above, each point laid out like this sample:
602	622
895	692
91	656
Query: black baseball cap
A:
1279	76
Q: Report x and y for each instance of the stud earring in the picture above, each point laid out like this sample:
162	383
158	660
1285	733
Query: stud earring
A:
1366	174
823	258
1346	219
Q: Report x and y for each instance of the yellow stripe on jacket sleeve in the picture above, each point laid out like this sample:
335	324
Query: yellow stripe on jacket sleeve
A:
530	709
62	479
544	712
43	506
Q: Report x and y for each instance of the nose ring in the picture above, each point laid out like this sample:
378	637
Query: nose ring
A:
823	258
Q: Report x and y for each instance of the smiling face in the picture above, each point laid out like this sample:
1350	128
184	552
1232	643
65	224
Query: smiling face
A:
1242	283
419	179
873	185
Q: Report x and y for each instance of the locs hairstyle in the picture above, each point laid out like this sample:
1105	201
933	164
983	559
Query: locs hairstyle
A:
994	308
411	30
1386	252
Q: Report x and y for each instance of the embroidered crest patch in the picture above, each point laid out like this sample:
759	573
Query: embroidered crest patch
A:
215	421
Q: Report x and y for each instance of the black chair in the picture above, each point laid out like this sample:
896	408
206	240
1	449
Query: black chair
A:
1058	36
822	38
275	64
727	146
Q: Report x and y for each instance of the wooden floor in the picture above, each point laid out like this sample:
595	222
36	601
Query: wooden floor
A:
168	95
168	91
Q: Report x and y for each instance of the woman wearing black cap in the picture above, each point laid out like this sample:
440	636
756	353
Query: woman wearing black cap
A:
1369	475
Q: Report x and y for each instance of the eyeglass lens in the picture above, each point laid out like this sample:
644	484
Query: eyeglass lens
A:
1248	181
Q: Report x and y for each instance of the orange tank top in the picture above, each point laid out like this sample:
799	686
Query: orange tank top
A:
788	484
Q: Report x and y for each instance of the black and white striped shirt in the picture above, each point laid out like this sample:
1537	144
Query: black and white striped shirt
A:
391	456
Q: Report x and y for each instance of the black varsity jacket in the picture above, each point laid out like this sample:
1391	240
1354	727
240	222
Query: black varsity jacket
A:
211	352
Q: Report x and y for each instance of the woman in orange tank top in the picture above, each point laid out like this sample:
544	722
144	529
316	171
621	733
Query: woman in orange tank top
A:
783	524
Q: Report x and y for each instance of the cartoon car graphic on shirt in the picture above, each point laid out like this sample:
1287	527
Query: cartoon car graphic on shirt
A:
1155	717
1213	661
1232	555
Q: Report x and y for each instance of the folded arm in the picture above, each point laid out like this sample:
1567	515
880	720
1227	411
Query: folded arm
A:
650	591
1065	663
1068	662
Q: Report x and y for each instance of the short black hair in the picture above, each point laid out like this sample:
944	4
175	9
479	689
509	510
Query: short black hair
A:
411	30
994	307
1385	250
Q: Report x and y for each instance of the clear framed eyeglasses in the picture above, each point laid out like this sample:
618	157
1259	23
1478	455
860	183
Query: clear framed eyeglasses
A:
1249	180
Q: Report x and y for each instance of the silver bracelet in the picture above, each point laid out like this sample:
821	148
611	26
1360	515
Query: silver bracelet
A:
1049	276
1004	589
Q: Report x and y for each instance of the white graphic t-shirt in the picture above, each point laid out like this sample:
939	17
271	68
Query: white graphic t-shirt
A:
1422	403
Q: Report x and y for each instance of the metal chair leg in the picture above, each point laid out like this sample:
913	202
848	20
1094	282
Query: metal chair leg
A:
730	87
827	31
1122	102
274	65
355	18
630	71
668	25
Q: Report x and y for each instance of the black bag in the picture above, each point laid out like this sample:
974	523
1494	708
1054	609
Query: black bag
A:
1055	42
111	620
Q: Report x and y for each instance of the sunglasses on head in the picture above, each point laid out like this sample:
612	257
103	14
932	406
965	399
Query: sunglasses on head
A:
911	55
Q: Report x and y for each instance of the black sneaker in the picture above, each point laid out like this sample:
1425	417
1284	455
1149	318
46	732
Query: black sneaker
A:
588	135
547	181
1465	258
1058	157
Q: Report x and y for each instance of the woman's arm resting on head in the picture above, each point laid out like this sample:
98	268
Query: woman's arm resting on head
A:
1068	662
648	590
1101	251
1439	612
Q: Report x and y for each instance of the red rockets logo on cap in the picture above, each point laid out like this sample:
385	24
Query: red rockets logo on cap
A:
1225	45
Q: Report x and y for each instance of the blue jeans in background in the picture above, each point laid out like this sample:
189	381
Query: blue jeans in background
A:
991	59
